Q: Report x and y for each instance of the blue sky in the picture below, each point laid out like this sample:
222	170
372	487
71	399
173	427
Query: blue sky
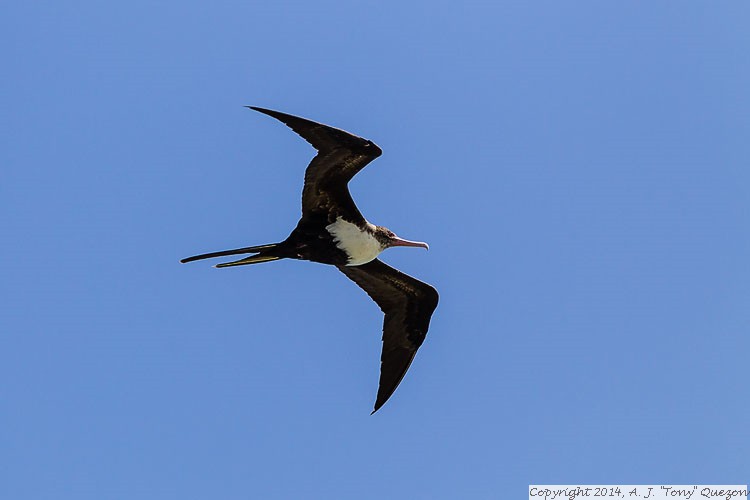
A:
580	170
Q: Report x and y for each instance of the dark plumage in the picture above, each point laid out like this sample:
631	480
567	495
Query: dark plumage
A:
333	231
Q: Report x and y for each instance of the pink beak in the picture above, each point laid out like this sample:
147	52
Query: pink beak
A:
399	242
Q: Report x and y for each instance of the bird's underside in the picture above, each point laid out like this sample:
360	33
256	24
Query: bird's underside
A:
333	231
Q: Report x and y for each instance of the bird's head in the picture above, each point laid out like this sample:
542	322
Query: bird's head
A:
388	238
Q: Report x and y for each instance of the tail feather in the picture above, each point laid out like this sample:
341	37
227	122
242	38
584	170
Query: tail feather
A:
237	251
253	259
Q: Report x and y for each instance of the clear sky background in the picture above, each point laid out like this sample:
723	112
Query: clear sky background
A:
580	170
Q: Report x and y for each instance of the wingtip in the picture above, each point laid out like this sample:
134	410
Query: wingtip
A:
378	405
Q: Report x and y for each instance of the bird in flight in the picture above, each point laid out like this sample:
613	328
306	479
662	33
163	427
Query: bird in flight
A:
333	231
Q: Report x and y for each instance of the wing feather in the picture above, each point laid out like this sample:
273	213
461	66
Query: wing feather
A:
340	156
408	305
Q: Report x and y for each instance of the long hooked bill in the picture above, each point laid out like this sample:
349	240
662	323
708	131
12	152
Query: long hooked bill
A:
400	242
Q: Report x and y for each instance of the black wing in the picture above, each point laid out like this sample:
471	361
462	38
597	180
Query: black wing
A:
340	156
408	305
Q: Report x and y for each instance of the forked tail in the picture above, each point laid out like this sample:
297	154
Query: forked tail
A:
264	253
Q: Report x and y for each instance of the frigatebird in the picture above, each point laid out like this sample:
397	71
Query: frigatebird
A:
333	231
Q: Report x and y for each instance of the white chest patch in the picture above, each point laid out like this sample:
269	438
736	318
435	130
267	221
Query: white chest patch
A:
360	246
